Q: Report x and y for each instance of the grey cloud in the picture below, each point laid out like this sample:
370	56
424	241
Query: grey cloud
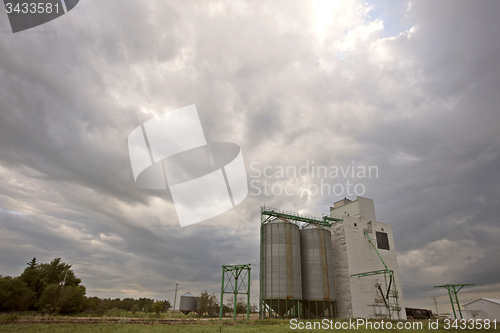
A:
425	112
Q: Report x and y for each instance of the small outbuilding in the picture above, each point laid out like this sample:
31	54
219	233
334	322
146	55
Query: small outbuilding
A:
482	308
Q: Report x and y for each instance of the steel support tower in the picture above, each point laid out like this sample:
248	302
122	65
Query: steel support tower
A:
235	285
453	293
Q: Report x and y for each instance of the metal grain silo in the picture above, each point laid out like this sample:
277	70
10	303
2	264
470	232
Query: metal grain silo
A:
188	303
317	272
281	268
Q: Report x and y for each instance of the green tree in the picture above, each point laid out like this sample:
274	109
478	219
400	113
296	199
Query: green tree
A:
72	299
15	295
227	309
207	304
241	305
31	276
62	299
54	286
146	304
48	300
136	308
127	304
56	271
157	307
38	277
254	308
103	305
166	305
92	303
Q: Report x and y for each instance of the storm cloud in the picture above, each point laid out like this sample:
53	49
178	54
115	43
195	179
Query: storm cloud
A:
410	88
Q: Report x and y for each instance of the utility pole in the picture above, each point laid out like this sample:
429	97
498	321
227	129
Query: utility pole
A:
434	298
64	281
175	297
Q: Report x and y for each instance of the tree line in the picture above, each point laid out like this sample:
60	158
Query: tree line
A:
208	305
53	288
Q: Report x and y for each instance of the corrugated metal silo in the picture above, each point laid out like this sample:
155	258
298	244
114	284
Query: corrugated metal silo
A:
317	272
281	275
188	303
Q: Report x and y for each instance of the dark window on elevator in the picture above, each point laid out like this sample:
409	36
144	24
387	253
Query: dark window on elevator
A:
382	240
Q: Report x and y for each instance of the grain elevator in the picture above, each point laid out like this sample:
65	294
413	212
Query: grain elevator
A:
339	266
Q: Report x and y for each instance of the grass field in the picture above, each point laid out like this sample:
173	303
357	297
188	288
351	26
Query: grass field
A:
209	326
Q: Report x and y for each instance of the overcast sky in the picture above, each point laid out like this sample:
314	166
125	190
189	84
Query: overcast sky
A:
411	88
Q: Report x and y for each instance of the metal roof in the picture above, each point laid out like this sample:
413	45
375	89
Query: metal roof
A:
492	300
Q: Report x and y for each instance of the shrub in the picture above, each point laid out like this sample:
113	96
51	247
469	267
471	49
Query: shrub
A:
7	318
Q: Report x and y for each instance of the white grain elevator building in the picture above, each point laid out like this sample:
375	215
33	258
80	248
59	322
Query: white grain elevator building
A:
365	267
